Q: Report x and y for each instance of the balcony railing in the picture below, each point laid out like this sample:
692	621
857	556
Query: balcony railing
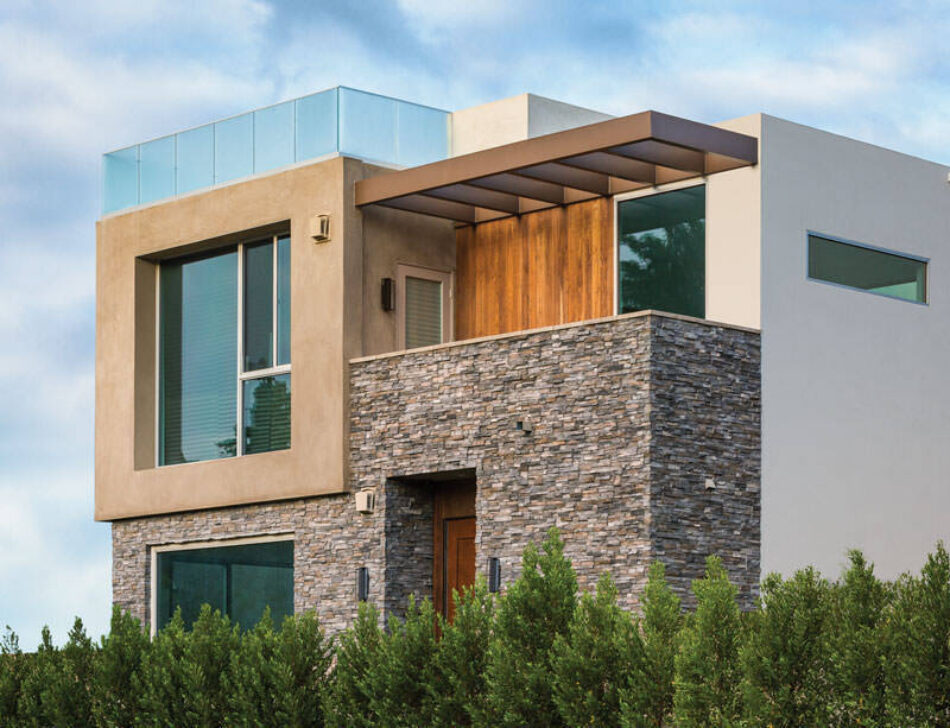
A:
338	120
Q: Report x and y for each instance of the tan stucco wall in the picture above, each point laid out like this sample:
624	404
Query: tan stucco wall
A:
127	483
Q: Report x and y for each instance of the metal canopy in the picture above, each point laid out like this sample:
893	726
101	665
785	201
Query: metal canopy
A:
598	160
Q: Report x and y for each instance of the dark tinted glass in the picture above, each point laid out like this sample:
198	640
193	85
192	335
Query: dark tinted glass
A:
662	252
239	581
867	270
197	353
267	414
283	301
258	306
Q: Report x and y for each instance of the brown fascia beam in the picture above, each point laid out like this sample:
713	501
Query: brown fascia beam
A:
520	156
666	155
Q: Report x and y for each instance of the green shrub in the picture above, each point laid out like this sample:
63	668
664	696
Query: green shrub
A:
708	675
596	660
917	632
462	659
856	663
536	609
648	700
278	677
117	666
350	692
785	659
13	668
32	705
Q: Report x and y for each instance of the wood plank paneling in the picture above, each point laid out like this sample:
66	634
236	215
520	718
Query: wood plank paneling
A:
540	269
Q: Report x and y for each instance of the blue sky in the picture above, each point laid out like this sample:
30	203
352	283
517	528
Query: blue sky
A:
79	79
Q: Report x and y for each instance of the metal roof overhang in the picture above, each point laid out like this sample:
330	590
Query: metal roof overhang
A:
597	160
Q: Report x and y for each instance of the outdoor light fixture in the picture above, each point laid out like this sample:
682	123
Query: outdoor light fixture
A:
362	584
494	575
388	294
320	228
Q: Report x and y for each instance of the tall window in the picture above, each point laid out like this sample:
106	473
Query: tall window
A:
224	353
662	252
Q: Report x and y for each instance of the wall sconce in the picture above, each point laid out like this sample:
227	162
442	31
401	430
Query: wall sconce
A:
524	426
494	575
320	228
388	294
362	584
365	501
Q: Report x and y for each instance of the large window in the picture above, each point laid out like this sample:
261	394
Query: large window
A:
224	353
661	261
239	580
867	269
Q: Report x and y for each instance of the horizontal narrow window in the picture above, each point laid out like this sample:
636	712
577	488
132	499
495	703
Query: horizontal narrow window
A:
867	269
239	581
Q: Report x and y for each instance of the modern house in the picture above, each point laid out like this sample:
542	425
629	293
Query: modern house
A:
350	347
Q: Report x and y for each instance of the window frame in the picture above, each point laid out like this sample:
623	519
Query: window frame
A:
154	551
242	376
875	248
447	279
650	192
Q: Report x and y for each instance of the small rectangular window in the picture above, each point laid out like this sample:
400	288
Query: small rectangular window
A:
867	269
239	581
423	307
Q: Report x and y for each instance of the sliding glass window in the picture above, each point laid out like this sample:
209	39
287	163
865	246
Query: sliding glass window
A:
224	353
661	261
867	269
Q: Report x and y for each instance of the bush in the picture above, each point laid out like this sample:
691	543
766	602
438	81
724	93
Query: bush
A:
648	700
537	608
596	660
857	652
707	669
785	659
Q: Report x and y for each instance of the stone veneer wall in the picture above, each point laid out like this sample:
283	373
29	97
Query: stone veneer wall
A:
630	416
330	541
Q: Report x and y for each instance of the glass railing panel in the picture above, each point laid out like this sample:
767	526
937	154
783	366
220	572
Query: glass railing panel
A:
195	158
422	134
156	169
316	125
274	137
367	125
234	148
120	181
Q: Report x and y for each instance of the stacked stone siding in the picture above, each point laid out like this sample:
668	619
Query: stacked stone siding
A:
638	439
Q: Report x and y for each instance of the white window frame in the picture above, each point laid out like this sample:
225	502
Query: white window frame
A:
194	546
242	376
648	192
446	278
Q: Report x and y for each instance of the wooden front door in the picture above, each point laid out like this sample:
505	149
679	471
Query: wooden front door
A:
454	543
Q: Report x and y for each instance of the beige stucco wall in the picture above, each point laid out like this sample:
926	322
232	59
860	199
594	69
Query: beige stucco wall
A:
127	482
513	119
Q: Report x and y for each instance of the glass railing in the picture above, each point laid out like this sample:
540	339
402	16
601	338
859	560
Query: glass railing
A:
338	120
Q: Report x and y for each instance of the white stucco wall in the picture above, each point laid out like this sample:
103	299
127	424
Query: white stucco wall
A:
856	387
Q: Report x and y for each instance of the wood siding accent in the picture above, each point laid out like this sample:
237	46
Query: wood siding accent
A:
544	268
451	502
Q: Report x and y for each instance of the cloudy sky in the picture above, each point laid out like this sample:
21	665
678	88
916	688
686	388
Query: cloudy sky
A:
79	79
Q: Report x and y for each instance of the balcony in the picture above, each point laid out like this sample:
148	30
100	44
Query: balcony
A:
336	121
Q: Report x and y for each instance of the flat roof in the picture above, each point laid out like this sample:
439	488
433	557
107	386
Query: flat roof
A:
597	160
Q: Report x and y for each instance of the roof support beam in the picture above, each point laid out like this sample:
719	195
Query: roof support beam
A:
437	208
488	199
615	165
667	155
523	187
579	179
